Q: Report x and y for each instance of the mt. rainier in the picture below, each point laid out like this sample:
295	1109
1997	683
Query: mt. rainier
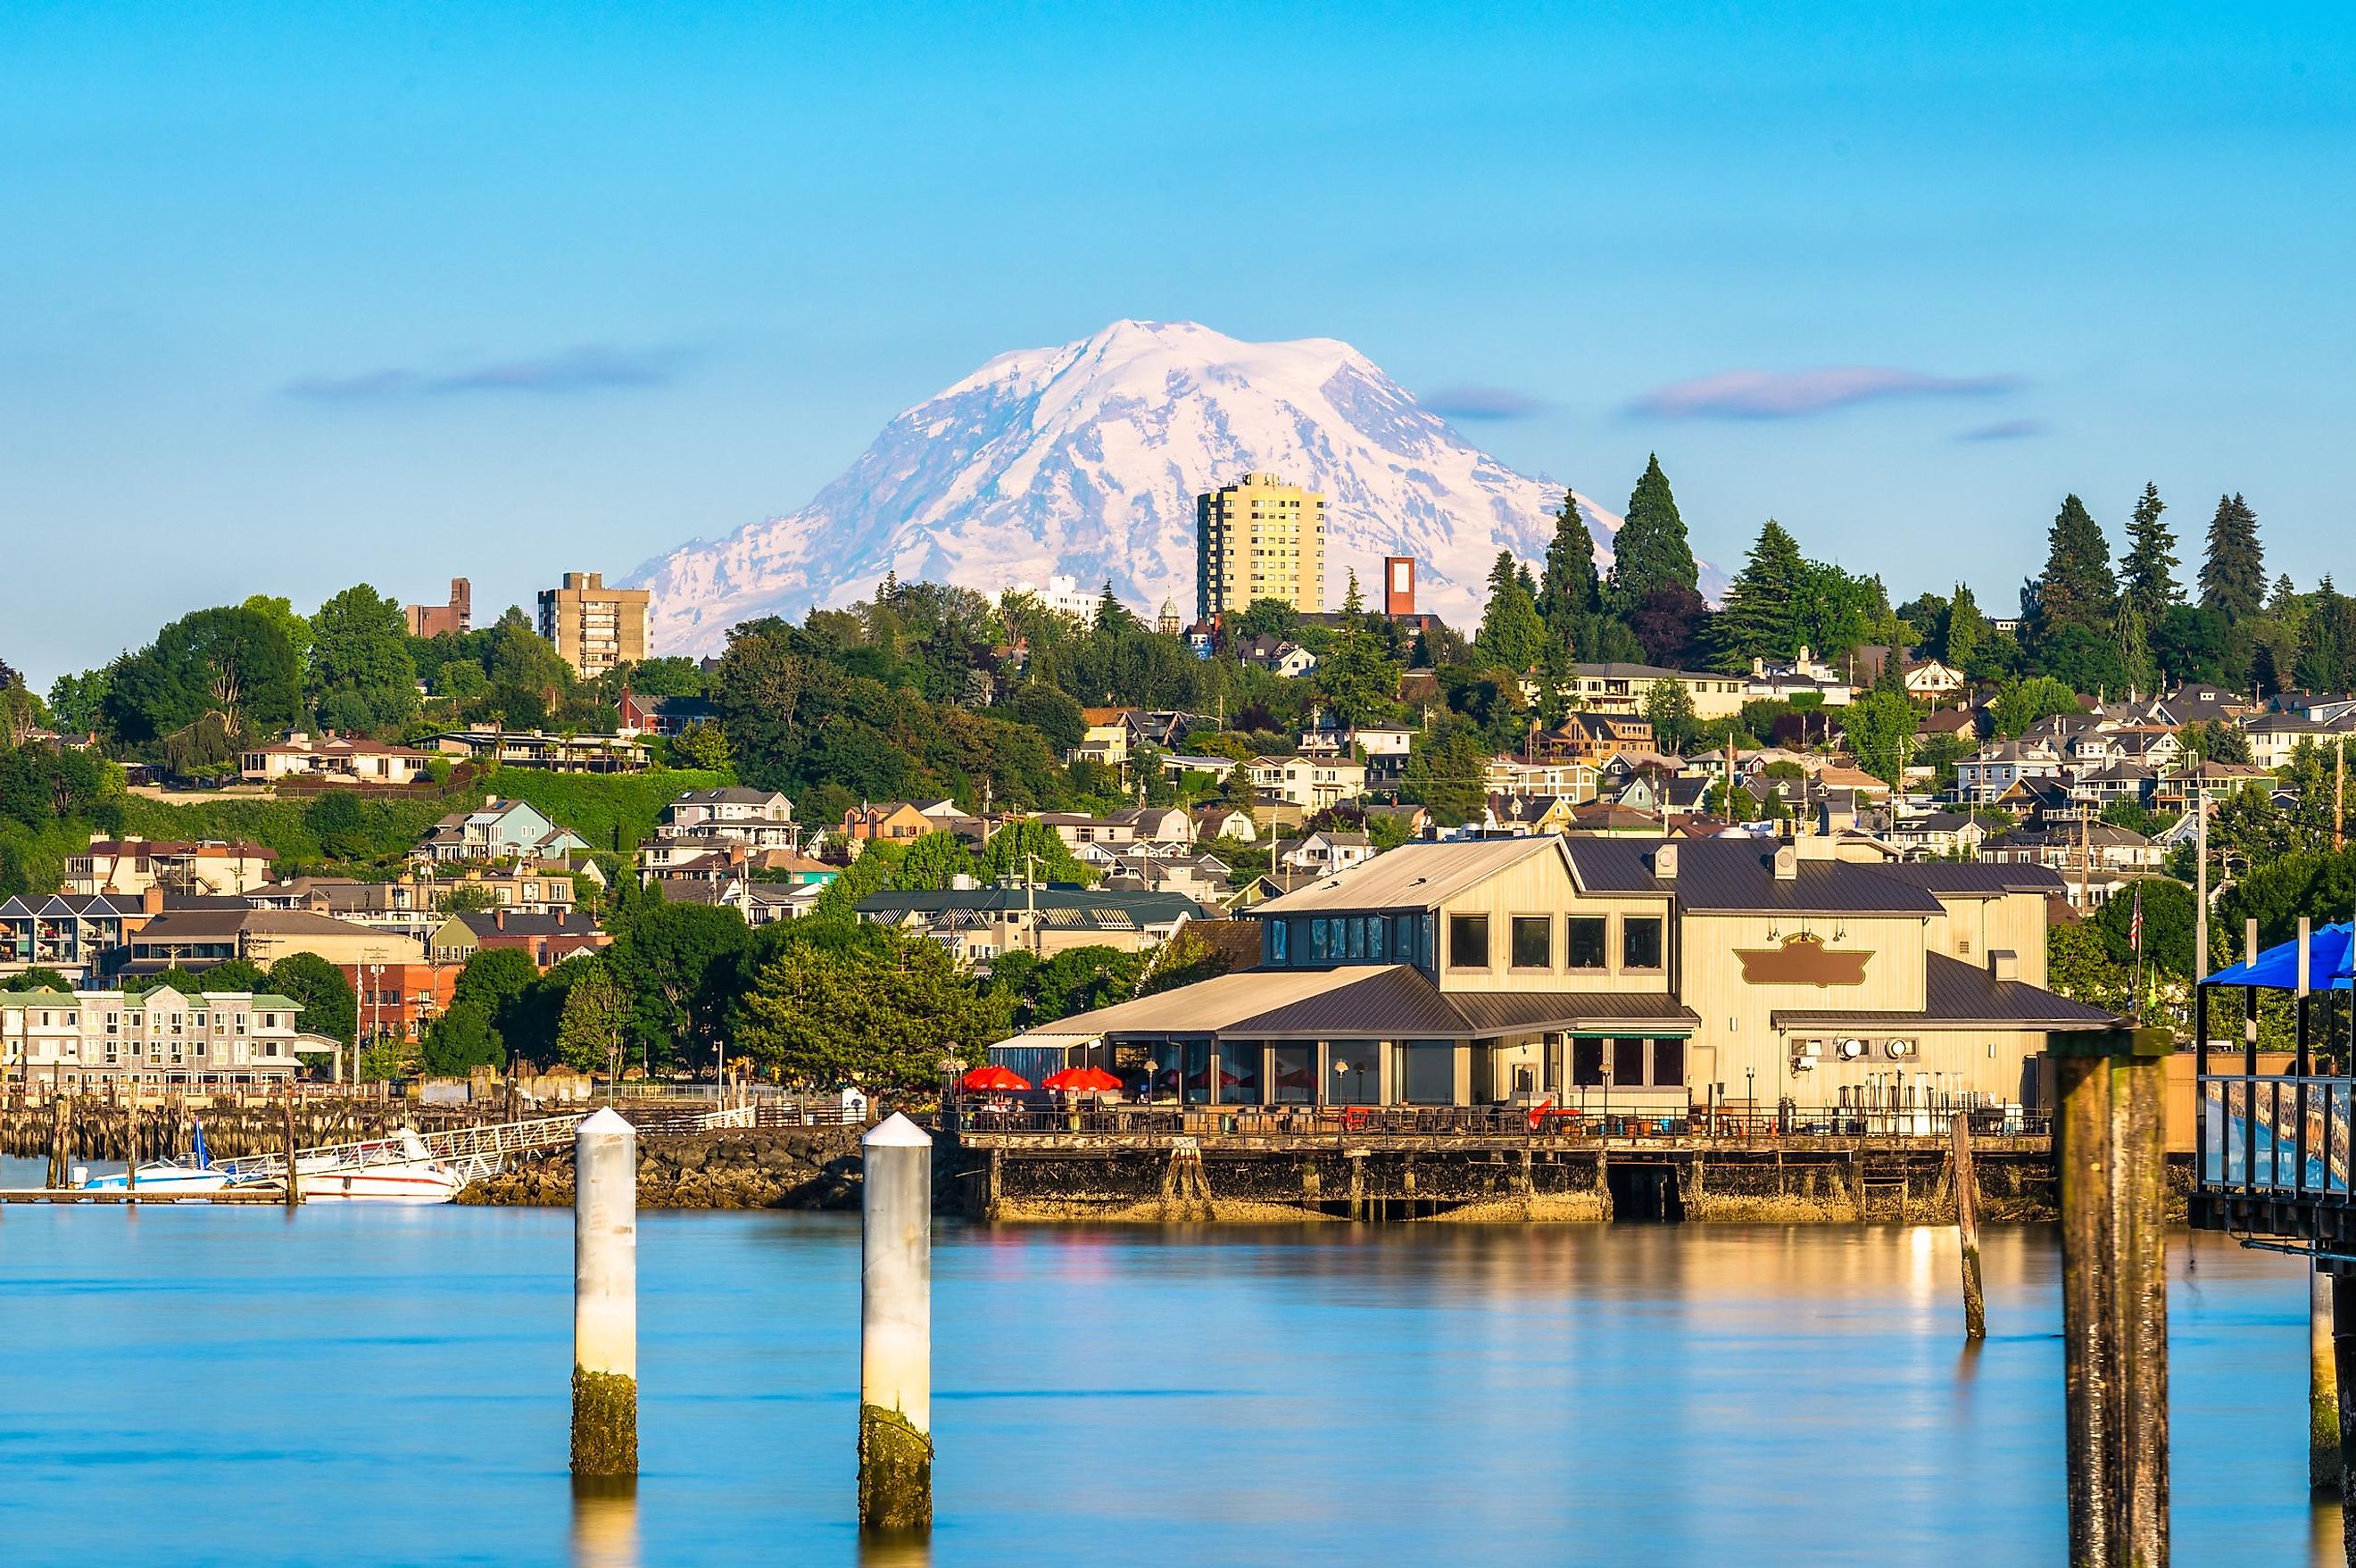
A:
1087	459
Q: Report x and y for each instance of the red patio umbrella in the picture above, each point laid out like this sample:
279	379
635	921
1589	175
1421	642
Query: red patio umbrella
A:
993	1080
1081	1080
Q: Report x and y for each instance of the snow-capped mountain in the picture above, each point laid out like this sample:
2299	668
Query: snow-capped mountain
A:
1085	460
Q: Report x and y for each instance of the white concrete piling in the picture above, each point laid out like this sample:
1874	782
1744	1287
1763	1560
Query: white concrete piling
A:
605	1298
895	1329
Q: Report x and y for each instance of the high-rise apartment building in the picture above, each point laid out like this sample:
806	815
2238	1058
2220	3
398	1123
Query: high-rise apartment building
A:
1262	539
594	628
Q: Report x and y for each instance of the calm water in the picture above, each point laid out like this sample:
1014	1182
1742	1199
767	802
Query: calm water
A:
232	1386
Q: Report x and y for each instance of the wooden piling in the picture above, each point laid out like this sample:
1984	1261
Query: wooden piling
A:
131	1145
2110	1151
895	1329
294	1176
2343	1367
1967	1230
604	1299
1357	1158
2324	1467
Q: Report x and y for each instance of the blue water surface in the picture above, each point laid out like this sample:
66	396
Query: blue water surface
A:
197	1386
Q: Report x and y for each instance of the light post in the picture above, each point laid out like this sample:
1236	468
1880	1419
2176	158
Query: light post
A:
1607	1096
1152	1075
1750	1101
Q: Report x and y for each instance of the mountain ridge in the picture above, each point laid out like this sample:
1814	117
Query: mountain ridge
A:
1084	458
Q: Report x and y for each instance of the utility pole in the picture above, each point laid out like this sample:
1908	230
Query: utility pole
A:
2201	892
2339	778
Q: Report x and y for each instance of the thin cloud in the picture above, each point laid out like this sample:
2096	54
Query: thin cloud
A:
2006	430
1797	394
1484	402
590	367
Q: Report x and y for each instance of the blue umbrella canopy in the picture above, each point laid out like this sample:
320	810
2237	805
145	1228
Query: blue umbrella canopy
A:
2329	950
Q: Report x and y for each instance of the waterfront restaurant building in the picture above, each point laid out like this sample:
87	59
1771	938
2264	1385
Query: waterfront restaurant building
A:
1621	973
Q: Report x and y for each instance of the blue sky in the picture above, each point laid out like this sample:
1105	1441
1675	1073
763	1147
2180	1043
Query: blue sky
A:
301	296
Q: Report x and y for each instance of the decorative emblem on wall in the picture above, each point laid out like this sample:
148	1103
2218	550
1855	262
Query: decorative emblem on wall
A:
1803	960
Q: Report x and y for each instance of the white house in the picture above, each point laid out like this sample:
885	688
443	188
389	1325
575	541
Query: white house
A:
1309	783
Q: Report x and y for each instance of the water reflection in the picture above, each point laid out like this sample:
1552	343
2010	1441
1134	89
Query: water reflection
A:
605	1524
896	1550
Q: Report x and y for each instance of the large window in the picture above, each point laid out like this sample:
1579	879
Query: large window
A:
1296	1075
1586	1063
1628	1061
1430	1072
1468	941
1586	942
1668	1062
1640	942
1533	941
1358	1076
1276	930
1403	930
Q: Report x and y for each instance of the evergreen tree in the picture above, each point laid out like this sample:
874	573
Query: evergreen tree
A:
1357	677
1512	636
2077	588
1651	550
2327	644
1963	633
2233	575
2148	571
1570	587
1760	617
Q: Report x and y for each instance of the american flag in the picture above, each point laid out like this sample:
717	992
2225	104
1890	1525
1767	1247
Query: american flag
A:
2135	924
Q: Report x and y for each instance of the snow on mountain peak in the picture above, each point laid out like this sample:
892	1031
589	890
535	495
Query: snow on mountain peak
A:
1085	459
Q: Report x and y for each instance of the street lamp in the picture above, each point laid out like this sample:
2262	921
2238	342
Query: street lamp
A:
1153	1072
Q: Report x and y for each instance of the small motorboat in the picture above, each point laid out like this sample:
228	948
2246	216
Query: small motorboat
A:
398	1169
194	1172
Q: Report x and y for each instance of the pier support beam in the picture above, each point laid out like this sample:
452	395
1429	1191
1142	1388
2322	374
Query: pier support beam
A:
2324	1470
1967	1230
2343	1360
895	1329
293	1175
2110	1151
605	1299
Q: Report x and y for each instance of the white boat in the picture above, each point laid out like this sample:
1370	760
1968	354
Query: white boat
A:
395	1169
398	1169
194	1173
164	1175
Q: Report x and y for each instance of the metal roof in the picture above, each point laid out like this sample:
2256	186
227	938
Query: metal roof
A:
1959	995
1412	876
1736	875
1389	1001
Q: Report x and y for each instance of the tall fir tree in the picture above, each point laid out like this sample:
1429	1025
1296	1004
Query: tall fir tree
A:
1512	636
2233	575
2077	588
1762	616
1357	679
2148	571
1963	633
1570	587
1651	550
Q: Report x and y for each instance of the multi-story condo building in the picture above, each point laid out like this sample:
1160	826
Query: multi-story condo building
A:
594	628
1262	539
163	1036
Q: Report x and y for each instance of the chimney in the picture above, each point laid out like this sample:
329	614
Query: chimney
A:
1787	863
1665	862
499	919
152	901
2003	964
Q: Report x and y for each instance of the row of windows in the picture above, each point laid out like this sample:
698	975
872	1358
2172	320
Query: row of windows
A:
1632	1062
1530	942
